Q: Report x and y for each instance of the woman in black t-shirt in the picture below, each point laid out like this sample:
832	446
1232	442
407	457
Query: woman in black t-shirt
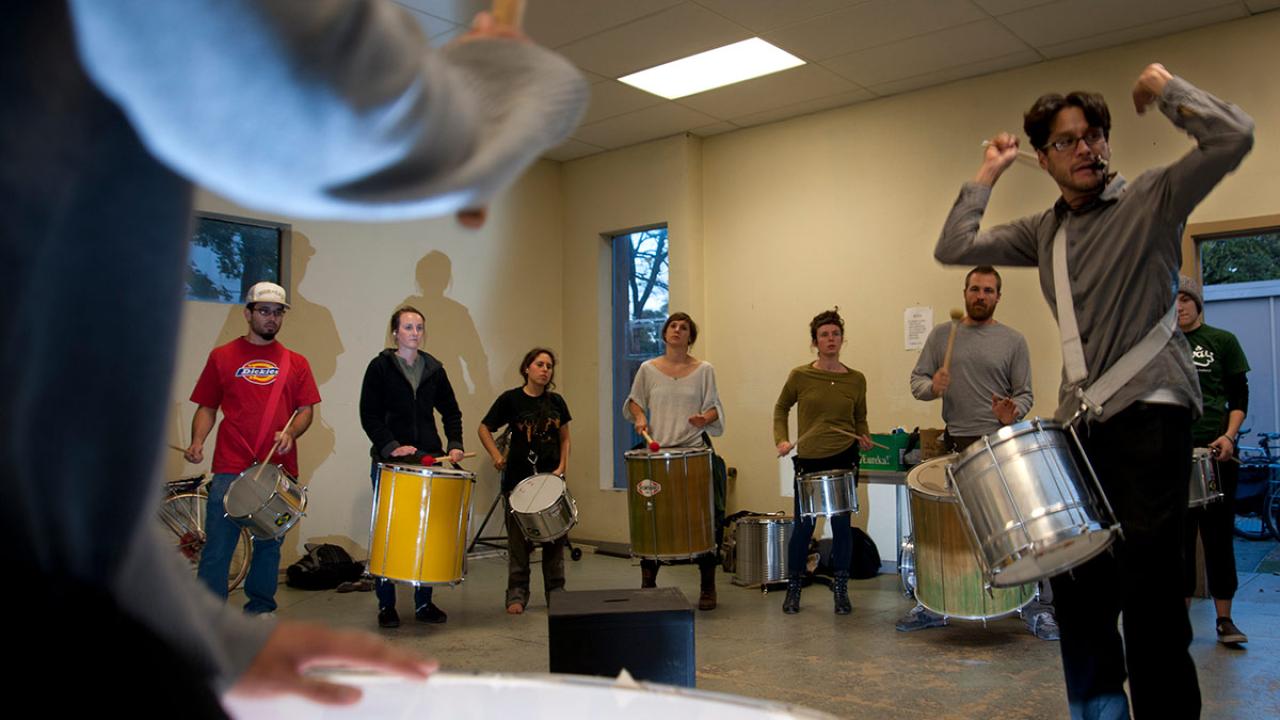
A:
538	430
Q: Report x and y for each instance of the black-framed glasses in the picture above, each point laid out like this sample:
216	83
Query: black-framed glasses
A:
1093	138
267	312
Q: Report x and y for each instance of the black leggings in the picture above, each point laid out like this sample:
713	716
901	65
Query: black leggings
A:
841	534
1215	523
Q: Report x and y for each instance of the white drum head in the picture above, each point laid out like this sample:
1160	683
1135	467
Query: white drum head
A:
528	697
537	493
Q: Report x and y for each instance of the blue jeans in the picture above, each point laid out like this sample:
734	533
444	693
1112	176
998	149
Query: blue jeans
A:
841	530
220	543
386	589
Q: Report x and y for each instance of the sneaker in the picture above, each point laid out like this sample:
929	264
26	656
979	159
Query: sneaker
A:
515	607
920	619
1229	634
388	618
1044	626
431	613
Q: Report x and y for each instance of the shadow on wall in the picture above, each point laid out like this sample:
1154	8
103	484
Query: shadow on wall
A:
310	331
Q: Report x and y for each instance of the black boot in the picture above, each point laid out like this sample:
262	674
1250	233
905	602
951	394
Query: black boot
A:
649	573
791	605
840	588
707	571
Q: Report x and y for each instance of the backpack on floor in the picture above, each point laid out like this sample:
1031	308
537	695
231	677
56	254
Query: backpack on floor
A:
324	567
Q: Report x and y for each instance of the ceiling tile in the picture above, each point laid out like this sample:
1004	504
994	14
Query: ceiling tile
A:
1004	7
804	108
571	149
1066	20
647	124
611	98
927	53
940	77
870	24
763	15
1147	30
716	129
807	82
556	22
671	34
430	24
459	11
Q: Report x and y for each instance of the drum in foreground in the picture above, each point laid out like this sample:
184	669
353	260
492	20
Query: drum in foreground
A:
671	503
827	493
266	503
527	697
1204	478
421	516
543	507
1033	511
948	579
760	549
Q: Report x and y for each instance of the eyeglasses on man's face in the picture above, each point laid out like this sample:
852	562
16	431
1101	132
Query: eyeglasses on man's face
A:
1093	138
267	312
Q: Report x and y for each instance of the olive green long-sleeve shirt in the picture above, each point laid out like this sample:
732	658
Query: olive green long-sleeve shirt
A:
829	403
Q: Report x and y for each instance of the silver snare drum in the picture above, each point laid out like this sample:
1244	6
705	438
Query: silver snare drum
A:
1032	512
827	492
543	507
1204	478
267	504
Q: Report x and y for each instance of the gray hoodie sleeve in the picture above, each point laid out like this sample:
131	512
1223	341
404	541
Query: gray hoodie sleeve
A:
327	108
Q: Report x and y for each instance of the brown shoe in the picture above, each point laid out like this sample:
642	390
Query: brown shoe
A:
707	600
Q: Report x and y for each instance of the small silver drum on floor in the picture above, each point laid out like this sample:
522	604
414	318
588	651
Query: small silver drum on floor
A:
543	507
760	549
1204	478
266	501
1031	510
827	492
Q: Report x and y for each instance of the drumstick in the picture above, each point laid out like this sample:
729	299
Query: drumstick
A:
429	460
653	445
856	436
1022	155
956	315
274	446
509	12
181	450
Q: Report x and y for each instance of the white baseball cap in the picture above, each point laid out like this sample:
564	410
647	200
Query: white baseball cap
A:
265	292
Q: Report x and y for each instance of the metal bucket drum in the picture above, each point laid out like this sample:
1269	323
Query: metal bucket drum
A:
1204	478
421	516
265	503
946	576
671	503
827	492
1032	511
529	697
543	507
760	545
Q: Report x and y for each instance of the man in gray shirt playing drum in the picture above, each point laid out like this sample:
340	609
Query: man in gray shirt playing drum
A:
1108	253
985	385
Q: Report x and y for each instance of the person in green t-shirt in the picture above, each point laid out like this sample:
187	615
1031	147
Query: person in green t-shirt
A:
1221	366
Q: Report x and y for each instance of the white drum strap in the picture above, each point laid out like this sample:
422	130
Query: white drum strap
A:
1092	398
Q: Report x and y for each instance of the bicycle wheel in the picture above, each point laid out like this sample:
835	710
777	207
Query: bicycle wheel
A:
1271	510
182	515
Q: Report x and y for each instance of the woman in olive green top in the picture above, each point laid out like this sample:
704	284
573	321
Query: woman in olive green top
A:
832	426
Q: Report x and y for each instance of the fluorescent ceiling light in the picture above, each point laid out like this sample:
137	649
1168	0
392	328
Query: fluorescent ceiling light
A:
712	69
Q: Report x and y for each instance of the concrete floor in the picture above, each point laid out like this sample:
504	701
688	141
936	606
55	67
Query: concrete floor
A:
853	666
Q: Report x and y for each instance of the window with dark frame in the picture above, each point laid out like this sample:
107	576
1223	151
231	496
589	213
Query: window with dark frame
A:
229	254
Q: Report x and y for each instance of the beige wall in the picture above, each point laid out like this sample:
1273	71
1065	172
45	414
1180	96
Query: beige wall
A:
843	208
488	297
767	225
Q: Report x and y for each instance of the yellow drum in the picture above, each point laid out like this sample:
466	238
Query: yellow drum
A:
421	517
948	578
671	500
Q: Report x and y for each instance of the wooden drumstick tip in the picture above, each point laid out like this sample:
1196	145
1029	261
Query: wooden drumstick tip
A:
957	314
509	12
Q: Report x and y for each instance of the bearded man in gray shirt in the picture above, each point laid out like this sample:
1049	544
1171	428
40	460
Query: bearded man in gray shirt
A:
1120	250
986	386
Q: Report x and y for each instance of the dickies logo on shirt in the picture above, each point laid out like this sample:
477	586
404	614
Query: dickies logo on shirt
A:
258	372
